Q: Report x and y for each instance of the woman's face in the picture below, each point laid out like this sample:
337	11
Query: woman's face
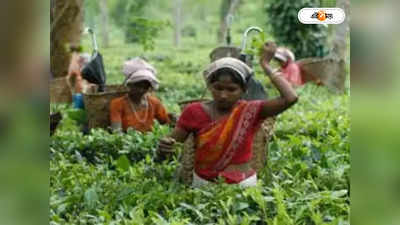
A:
282	63
138	89
225	92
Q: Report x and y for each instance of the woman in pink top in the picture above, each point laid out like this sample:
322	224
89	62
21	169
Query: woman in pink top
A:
289	68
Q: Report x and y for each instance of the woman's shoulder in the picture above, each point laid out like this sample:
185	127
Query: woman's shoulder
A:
153	100
194	111
194	106
193	117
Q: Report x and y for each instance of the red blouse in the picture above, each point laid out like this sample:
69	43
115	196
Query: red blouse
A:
194	118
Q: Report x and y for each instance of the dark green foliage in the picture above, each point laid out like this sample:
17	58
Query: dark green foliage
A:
327	3
101	146
304	39
137	28
111	178
143	31
105	178
125	9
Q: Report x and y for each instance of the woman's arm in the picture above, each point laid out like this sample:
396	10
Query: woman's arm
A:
165	146
177	135
267	54
185	125
288	95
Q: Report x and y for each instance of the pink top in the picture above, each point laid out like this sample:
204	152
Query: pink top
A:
292	73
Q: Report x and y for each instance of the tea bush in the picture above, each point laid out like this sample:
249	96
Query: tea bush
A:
106	178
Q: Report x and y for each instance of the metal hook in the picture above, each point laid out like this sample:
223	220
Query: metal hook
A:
229	20
244	41
94	42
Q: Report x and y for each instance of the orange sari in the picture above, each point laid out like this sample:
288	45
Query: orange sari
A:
227	141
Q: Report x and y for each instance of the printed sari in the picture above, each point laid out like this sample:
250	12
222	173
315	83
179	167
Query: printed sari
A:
225	142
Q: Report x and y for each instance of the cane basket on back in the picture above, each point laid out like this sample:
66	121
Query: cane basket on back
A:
97	105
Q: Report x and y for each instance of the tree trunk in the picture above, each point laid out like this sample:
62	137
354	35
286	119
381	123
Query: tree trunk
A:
52	10
341	31
228	7
178	22
340	44
104	22
66	27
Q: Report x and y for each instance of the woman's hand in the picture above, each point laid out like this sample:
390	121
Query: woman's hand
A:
166	145
270	48
165	148
267	53
173	118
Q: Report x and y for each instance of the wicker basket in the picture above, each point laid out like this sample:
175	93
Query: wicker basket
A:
97	105
258	162
260	144
327	71
59	91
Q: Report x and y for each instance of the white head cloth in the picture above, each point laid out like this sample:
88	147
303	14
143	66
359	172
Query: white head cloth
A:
284	54
231	63
137	69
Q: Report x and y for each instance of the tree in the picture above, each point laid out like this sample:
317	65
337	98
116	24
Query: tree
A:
66	26
304	39
228	8
129	15
339	50
342	31
123	10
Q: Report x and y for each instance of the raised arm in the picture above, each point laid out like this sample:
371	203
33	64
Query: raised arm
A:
288	95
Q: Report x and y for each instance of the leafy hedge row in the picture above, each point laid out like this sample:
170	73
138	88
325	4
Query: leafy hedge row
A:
105	178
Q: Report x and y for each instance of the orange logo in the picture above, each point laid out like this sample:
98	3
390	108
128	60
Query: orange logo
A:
321	15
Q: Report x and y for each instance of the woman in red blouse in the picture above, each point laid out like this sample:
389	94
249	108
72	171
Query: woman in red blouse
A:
224	127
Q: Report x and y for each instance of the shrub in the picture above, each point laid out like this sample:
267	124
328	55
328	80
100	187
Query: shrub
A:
304	39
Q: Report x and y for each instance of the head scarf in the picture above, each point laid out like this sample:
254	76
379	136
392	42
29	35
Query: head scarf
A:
284	54
137	69
231	63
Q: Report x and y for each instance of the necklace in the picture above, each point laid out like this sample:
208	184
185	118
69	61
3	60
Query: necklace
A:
134	109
